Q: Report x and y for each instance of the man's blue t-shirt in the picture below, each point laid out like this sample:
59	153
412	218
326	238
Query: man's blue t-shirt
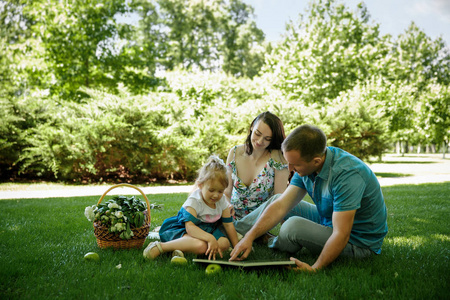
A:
347	183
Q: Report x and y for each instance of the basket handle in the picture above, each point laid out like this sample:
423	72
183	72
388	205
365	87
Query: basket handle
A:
131	186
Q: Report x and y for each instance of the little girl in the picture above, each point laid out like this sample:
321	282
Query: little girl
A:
195	228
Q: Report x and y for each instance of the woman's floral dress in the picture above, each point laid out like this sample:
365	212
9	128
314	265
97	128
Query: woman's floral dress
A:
246	199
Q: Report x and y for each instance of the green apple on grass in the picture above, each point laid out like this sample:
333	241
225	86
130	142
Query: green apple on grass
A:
212	269
177	253
178	260
91	256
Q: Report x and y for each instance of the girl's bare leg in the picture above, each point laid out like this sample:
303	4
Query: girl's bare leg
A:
224	244
185	244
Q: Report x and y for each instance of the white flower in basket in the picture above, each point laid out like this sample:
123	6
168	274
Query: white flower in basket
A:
90	213
119	214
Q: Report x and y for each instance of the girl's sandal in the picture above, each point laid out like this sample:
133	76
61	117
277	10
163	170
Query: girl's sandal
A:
147	251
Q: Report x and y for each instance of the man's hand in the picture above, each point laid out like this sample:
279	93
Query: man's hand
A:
301	266
242	249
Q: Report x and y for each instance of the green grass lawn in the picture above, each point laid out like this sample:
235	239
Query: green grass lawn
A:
43	241
391	175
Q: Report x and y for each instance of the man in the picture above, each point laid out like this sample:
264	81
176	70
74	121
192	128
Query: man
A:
349	215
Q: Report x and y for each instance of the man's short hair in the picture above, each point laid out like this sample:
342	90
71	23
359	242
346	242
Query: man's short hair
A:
309	140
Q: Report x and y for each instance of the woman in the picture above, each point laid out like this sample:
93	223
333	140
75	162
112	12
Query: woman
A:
258	168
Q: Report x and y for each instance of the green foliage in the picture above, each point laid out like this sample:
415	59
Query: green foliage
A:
20	66
62	46
326	53
354	122
416	58
126	136
168	134
9	137
95	139
434	114
241	46
20	117
333	69
333	50
200	35
76	37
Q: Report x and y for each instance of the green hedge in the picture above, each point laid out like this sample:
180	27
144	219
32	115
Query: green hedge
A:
168	134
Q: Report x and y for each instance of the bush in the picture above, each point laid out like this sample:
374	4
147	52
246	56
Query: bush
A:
168	134
355	122
19	116
111	136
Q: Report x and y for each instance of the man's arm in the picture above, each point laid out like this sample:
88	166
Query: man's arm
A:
273	214
342	226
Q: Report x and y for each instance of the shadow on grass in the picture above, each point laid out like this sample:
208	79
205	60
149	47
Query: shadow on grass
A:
391	175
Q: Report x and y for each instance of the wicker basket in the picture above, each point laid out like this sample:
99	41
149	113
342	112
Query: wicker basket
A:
106	239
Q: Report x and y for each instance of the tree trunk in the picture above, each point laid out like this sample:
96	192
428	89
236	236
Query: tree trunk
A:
444	148
397	147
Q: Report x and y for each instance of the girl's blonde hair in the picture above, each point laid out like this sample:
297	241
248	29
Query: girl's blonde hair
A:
213	169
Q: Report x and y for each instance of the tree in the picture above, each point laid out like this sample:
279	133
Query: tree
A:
142	48
78	43
9	33
17	46
326	53
242	50
18	68
201	35
418	67
418	59
434	115
193	32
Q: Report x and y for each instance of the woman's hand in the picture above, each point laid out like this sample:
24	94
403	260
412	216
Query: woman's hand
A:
213	249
